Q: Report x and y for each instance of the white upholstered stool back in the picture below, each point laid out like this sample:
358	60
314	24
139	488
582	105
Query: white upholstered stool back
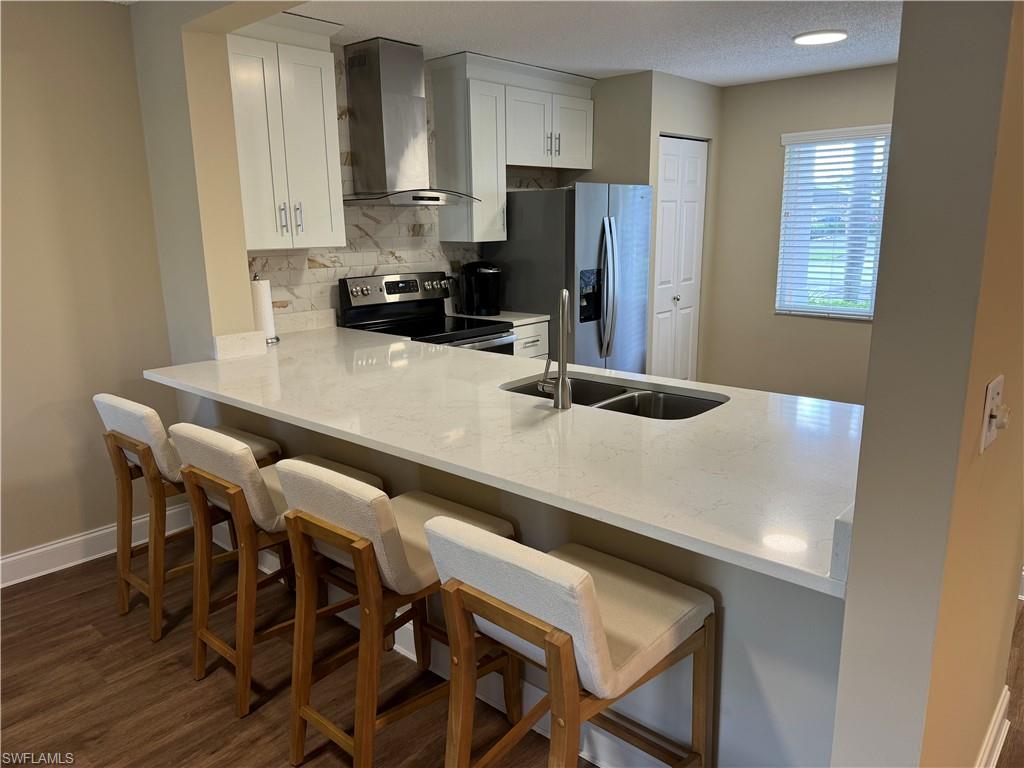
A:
142	423
355	506
554	591
231	460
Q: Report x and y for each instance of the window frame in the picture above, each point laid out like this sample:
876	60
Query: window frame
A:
821	137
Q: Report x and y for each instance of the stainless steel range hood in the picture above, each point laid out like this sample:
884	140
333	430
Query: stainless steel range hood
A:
388	125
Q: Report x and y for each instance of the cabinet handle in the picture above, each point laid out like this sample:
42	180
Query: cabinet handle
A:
503	227
558	144
298	217
283	217
549	143
531	342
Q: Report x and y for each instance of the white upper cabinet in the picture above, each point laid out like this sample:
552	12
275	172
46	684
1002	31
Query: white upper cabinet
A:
489	113
573	129
259	132
528	126
548	129
469	145
288	155
487	159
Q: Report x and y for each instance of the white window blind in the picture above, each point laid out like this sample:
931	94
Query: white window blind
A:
833	195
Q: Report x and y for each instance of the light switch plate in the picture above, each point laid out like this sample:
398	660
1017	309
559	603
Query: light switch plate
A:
993	400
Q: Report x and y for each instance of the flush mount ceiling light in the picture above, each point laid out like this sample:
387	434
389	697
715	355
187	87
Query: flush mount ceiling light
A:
821	37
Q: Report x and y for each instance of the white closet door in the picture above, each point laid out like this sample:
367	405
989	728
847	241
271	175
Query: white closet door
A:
487	159
256	96
528	122
573	126
311	146
679	243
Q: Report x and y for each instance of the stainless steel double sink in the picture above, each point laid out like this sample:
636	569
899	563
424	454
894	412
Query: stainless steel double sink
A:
607	394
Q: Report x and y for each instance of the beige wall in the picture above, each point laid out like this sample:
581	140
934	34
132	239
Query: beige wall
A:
183	82
688	109
936	536
983	558
77	228
622	124
743	342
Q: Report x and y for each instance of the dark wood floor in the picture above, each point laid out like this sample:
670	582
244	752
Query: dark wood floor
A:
1013	750
76	677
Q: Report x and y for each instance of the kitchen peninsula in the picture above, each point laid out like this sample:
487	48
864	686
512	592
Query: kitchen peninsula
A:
741	500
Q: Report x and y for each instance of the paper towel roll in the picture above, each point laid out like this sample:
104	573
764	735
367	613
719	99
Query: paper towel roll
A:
263	309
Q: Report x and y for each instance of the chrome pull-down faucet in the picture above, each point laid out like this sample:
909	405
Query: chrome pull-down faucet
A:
560	388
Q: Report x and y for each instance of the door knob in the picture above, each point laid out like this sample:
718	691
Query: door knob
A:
676	298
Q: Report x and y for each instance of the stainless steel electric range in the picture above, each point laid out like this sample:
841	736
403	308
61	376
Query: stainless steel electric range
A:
412	305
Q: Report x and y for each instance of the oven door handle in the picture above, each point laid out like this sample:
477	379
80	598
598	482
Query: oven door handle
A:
486	343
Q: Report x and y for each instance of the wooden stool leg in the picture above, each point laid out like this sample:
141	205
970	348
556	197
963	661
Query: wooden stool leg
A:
202	565
284	554
564	690
462	698
704	695
512	685
124	537
245	621
157	533
420	637
306	600
371	643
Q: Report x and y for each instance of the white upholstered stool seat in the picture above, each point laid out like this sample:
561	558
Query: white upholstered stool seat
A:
644	614
221	471
390	574
138	445
142	423
599	625
232	460
395	526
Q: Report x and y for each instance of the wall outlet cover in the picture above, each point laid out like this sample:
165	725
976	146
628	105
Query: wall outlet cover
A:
990	419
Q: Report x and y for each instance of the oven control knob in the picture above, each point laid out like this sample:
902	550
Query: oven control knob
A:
444	283
365	290
435	284
355	291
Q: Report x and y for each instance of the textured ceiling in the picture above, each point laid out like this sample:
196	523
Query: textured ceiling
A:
723	43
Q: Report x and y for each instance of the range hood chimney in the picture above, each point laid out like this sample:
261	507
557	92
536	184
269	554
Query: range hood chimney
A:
388	125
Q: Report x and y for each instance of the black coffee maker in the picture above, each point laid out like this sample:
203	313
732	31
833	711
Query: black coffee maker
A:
481	287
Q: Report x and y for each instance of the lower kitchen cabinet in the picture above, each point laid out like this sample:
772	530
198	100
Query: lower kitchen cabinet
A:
531	341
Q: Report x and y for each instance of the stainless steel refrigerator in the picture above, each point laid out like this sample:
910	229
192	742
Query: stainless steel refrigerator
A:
593	239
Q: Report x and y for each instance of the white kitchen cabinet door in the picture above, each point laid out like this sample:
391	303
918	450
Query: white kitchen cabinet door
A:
528	126
256	97
310	112
487	159
573	128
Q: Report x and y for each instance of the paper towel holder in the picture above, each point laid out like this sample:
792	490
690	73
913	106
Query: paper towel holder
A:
272	339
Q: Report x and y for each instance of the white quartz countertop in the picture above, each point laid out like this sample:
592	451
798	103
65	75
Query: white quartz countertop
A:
516	318
757	482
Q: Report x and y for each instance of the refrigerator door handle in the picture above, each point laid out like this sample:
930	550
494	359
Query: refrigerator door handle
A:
606	286
614	286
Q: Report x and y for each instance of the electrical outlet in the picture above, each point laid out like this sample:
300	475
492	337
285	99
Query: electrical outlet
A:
996	415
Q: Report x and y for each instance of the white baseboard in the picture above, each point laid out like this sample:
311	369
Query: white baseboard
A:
72	550
988	755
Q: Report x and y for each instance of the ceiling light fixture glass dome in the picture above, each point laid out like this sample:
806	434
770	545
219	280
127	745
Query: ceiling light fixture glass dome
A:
820	37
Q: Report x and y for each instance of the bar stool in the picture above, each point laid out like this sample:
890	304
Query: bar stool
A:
221	474
377	551
600	626
138	446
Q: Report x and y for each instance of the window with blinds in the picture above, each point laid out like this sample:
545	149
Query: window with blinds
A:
833	196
